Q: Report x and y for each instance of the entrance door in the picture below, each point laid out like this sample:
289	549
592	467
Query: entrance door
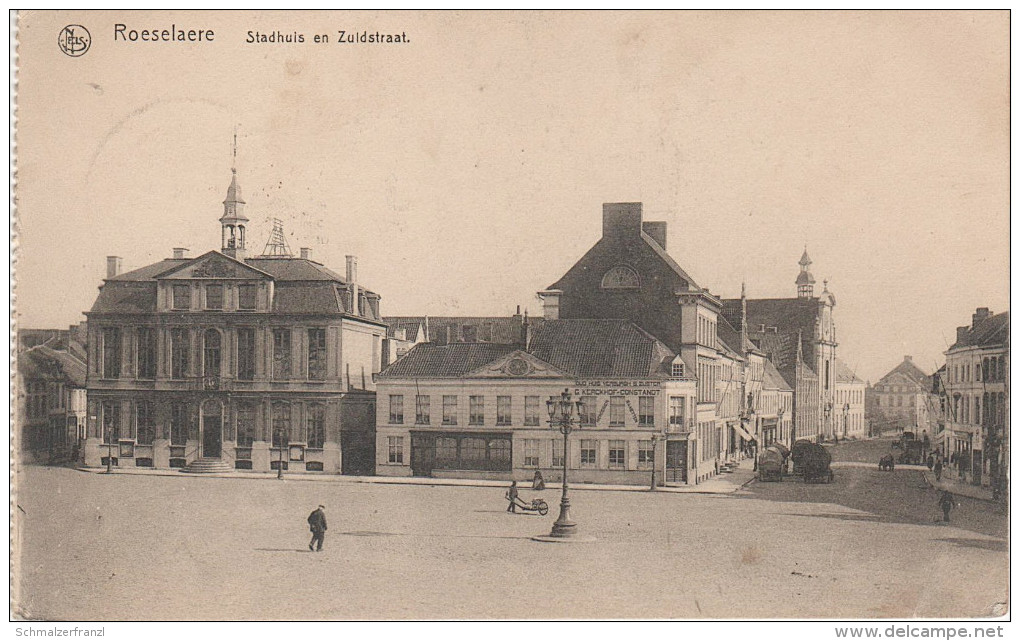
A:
212	436
676	461
423	454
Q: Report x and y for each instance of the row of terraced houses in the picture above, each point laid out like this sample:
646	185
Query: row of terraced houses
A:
229	360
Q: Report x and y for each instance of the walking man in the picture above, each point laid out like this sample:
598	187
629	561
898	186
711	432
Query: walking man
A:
938	470
511	495
946	502
317	523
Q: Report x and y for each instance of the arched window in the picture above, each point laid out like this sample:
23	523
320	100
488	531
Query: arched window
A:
211	352
621	277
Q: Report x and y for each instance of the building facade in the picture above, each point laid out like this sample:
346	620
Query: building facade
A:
230	361
976	398
798	335
478	409
50	384
902	400
850	403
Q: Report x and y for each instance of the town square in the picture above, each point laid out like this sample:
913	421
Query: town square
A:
707	323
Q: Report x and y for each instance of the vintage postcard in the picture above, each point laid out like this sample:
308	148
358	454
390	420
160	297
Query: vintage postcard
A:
503	315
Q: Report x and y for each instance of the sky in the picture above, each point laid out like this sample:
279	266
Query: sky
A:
466	169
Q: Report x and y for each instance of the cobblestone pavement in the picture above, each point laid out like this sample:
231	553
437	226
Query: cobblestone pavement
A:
141	547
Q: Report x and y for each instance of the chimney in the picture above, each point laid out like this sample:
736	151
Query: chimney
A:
180	252
979	315
306	253
657	230
621	220
907	359
961	334
352	284
113	266
551	303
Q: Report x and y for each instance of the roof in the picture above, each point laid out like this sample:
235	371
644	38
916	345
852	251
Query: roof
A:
45	362
781	319
234	190
773	380
908	370
301	286
992	331
600	348
410	325
446	361
582	348
844	374
648	241
733	338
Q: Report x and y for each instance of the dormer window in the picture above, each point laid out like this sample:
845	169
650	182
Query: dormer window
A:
677	370
621	277
181	295
214	296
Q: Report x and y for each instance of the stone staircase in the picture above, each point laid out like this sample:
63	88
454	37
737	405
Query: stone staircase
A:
207	466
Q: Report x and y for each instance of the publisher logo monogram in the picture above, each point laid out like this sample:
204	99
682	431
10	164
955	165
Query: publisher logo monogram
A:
74	40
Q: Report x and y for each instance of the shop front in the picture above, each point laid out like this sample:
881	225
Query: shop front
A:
462	454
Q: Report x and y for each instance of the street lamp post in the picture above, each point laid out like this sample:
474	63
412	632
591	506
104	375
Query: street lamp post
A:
656	437
828	413
564	414
779	425
109	450
279	464
846	415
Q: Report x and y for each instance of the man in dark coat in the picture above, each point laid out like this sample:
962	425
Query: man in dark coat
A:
947	503
511	495
317	523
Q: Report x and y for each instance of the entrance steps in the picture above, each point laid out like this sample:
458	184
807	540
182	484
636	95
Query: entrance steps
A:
207	466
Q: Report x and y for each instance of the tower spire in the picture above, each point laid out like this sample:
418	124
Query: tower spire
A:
233	221
805	281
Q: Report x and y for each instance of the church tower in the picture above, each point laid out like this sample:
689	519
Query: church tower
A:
805	281
233	221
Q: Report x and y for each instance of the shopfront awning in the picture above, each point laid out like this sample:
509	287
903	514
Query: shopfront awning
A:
742	432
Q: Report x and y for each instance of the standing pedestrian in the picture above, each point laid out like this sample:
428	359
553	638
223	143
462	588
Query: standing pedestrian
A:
317	523
946	502
930	461
538	483
938	471
511	495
